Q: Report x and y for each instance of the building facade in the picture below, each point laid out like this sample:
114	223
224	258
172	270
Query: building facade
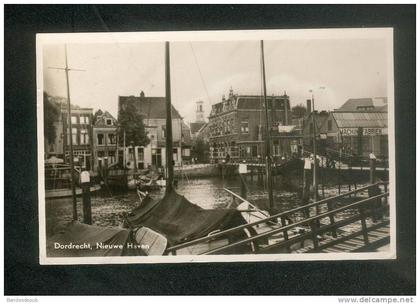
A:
80	135
237	126
153	110
104	139
357	133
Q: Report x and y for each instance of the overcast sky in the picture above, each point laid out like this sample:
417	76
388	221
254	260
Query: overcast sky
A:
347	68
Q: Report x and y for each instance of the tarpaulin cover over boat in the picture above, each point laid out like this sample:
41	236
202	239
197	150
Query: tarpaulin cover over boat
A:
180	220
81	240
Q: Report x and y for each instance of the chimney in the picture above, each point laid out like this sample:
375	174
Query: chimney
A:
308	106
141	94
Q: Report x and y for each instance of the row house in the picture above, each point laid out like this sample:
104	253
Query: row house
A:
153	110
237	126
104	139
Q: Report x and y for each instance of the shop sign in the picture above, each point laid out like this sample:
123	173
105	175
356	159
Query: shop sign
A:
372	131
348	131
366	131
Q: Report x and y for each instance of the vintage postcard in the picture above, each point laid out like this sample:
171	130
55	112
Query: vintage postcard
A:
216	146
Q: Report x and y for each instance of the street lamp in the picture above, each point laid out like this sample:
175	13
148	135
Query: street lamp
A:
315	178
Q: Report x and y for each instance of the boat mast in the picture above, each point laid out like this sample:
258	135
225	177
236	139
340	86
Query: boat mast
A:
169	157
73	186
267	137
315	177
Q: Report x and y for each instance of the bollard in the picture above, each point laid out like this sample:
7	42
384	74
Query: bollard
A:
87	208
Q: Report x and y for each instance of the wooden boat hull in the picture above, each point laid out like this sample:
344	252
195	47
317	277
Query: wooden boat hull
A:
58	193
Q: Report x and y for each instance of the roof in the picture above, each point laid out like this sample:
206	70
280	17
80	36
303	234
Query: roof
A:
196	126
354	104
256	102
150	107
247	102
100	120
361	119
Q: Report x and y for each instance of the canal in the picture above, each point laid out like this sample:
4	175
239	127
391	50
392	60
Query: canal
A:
109	206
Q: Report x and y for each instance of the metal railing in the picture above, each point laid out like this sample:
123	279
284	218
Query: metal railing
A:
284	217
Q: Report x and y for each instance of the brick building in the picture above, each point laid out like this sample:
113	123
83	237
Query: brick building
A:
237	126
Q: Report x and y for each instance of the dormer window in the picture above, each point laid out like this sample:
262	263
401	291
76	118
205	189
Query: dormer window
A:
109	122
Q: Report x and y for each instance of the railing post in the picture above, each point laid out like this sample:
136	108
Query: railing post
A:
285	234
364	227
314	230
332	220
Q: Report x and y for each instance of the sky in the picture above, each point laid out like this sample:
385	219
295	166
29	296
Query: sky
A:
346	68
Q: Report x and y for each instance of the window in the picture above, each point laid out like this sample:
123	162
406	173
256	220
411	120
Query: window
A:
74	119
100	137
112	139
186	152
329	125
175	153
109	122
74	135
244	127
140	153
84	137
130	154
163	132
101	153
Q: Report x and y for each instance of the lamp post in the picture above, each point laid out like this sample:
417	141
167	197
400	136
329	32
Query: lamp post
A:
315	177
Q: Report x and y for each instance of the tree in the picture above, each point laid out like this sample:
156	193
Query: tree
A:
130	122
299	111
200	150
51	115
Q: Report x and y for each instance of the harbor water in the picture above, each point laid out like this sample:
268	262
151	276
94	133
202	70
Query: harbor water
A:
110	206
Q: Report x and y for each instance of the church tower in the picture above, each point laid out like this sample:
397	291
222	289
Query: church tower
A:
199	112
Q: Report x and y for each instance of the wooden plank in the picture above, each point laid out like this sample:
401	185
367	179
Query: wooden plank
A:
345	246
342	247
332	250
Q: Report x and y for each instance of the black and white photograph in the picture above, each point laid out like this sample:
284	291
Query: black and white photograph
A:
216	146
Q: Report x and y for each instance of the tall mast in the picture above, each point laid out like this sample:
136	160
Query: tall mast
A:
73	186
267	137
169	157
315	177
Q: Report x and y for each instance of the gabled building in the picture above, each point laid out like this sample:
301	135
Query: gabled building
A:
237	125
104	139
357	133
153	110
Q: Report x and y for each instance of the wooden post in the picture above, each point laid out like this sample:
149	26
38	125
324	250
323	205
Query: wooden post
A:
285	234
332	220
372	170
243	187
87	208
364	226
